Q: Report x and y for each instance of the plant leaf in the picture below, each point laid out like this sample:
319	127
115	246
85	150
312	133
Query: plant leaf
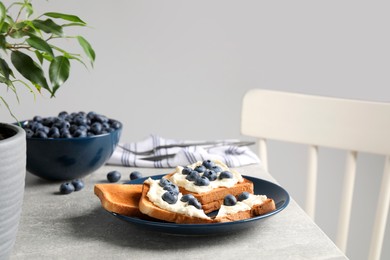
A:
48	26
32	30
4	28
72	24
87	48
40	44
8	108
4	69
67	17
39	56
29	9
59	71
3	14
74	57
3	80
29	69
2	42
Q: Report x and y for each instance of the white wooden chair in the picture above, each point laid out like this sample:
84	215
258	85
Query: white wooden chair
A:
352	125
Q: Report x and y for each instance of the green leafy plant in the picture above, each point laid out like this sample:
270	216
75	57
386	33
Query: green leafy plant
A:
28	46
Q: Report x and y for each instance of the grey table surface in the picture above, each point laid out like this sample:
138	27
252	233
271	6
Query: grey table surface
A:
75	226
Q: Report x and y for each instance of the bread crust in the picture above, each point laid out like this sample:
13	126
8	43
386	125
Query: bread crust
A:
147	207
120	198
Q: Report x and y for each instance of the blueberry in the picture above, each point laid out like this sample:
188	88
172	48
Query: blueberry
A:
216	168
29	133
80	133
164	182
186	170
211	175
113	176
225	175
187	197
194	202
105	126
193	176
45	129
37	118
243	196
63	114
208	164
60	123
100	118
47	121
83	128
202	181
80	120
116	124
135	175
91	114
96	128
170	197
66	135
78	184
54	132
71	129
64	124
171	187
229	200
36	126
200	168
68	118
65	130
82	113
40	134
66	188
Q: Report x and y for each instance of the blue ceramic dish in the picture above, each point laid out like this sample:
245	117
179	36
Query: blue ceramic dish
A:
272	190
69	158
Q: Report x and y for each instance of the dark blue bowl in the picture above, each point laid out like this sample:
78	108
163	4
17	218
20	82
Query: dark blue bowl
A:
69	158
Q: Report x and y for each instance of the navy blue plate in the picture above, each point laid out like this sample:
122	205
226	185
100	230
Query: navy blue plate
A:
263	187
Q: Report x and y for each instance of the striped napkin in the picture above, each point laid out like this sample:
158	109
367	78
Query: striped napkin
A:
232	156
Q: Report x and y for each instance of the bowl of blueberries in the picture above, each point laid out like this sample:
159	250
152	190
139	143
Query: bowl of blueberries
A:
70	145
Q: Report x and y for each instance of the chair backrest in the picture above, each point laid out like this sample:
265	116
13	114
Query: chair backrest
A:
351	125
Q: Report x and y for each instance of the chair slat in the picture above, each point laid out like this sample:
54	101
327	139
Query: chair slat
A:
381	214
346	200
311	186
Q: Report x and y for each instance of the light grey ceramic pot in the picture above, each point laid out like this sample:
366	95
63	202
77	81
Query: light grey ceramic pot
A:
12	177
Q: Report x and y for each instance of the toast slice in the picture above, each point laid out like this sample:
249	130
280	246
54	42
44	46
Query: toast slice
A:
146	206
120	198
266	206
211	196
152	205
213	200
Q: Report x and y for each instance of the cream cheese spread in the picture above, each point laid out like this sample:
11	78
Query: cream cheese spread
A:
155	196
241	205
180	179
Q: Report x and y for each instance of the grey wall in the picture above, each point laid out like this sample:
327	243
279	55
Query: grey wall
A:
180	69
